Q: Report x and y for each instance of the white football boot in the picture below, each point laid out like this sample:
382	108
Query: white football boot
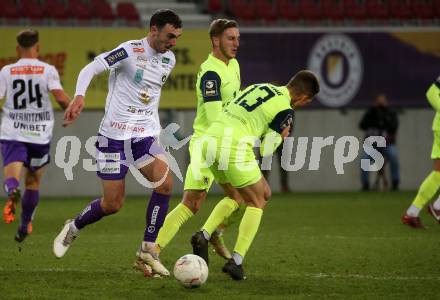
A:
150	255
64	239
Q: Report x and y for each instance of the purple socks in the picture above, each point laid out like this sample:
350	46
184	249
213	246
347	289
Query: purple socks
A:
156	212
29	202
11	184
92	213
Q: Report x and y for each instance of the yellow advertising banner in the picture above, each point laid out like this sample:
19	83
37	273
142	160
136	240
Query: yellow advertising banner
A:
70	49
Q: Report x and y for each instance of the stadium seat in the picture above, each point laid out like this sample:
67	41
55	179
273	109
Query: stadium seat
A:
102	10
215	6
9	10
423	9
266	10
401	9
333	9
80	10
32	10
288	9
437	8
128	12
242	9
355	10
377	9
55	9
311	10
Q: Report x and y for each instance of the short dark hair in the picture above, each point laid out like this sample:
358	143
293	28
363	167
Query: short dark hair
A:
304	82
165	16
218	26
27	38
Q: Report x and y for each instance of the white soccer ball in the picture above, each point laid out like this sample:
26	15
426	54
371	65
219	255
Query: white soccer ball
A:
191	271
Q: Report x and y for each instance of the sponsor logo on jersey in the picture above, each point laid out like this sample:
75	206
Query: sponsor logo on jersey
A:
139	111
139	76
115	56
139	50
30	127
337	61
154	60
136	43
141	59
165	60
210	88
126	127
27	70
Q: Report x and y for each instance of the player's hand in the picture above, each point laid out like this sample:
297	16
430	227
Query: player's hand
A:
286	132
73	110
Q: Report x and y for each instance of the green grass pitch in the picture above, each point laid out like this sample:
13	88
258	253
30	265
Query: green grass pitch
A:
309	246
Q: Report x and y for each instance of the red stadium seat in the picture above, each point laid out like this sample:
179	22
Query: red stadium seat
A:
80	10
242	9
288	9
333	9
423	9
437	8
128	12
266	10
401	9
355	10
377	9
32	10
215	6
102	10
55	9
9	10
310	9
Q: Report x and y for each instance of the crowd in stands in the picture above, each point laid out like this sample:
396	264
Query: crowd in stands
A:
67	12
248	12
357	12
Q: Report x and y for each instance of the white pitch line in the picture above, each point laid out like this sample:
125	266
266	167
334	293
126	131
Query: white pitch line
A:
369	277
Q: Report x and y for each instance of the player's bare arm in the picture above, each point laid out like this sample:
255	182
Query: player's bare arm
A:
61	98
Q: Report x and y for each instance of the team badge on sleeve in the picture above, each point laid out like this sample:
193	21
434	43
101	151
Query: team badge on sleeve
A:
210	86
115	56
282	120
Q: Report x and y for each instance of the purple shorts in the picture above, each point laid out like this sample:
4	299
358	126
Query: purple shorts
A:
115	156
33	156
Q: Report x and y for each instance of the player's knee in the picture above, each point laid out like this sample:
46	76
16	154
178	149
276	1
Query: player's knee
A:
258	203
32	182
166	187
193	204
111	206
267	192
32	185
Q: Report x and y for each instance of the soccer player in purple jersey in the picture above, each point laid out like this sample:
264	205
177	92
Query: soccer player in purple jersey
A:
129	130
27	125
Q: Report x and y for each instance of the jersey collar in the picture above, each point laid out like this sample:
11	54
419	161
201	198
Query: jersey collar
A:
218	61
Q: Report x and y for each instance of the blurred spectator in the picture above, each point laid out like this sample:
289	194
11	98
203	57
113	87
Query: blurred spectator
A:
380	120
